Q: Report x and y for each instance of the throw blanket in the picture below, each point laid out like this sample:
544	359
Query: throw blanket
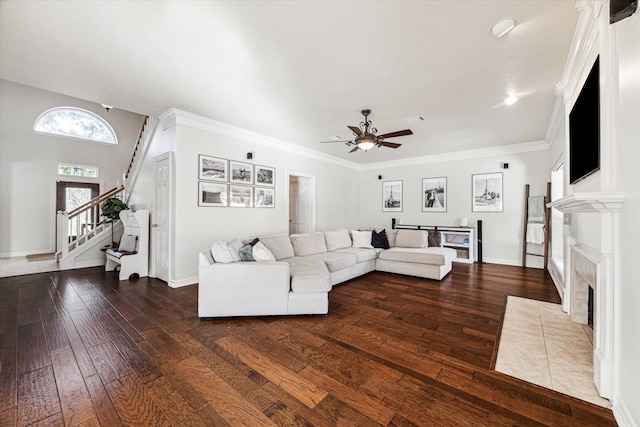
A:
536	209
535	233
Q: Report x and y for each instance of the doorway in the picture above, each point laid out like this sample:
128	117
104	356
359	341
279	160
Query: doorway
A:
161	218
302	202
71	195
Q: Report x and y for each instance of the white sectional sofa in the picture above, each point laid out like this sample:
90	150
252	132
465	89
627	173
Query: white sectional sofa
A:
294	274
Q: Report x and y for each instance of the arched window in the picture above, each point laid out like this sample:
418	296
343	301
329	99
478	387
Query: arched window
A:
75	123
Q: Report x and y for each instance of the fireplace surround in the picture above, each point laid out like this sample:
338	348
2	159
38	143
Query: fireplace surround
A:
596	268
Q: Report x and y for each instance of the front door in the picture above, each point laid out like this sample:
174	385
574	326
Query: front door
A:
160	227
71	195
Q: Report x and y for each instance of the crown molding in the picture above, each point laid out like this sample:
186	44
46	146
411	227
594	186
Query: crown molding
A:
523	147
175	116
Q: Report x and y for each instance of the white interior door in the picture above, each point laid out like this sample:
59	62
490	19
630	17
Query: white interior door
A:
160	227
301	204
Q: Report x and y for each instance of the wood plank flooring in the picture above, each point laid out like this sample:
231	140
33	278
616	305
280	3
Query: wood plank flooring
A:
79	348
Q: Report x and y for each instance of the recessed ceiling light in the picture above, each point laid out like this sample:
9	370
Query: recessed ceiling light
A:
510	100
503	27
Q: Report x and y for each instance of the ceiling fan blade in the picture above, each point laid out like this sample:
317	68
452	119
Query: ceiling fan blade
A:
356	148
396	133
355	130
390	144
326	142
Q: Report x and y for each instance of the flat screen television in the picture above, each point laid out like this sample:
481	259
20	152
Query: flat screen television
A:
584	129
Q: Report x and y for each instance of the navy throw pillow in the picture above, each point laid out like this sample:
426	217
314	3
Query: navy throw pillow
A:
379	240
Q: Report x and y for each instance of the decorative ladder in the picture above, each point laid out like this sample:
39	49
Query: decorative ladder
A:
547	226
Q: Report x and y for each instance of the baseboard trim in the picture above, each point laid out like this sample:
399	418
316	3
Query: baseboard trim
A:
621	413
183	282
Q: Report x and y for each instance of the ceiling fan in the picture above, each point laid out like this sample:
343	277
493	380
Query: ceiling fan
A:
366	138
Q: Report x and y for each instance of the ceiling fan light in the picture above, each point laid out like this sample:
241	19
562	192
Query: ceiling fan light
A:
366	145
503	27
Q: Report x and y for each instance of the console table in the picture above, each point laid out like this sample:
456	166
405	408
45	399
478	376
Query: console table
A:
462	239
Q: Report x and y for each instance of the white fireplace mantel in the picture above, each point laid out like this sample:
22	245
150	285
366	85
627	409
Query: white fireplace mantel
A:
589	202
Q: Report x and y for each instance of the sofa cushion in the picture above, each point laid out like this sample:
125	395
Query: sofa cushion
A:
379	239
308	275
279	245
411	238
308	244
337	260
391	236
337	239
434	256
361	239
261	253
362	254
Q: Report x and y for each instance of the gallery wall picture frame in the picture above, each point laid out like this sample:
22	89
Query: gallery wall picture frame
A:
240	196
265	176
212	168
264	197
240	173
212	194
392	196
487	192
434	194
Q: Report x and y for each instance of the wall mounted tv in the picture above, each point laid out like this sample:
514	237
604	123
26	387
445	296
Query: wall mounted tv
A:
584	129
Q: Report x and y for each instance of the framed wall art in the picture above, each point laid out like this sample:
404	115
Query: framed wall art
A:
434	194
265	176
264	198
240	173
240	196
212	194
392	196
212	168
487	192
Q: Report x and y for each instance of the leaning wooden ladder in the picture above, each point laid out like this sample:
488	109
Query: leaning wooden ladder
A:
546	227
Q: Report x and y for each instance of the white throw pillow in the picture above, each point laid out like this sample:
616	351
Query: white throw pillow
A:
361	239
234	248
261	253
221	252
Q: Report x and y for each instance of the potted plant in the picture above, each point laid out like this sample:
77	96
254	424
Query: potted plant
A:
110	209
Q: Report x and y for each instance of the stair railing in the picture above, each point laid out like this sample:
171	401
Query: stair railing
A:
142	143
77	227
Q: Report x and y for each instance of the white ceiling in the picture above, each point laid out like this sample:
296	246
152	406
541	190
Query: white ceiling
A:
301	71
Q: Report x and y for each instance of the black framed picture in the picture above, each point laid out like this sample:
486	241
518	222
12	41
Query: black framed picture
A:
240	196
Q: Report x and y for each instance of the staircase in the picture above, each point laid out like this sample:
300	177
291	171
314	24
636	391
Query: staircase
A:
84	232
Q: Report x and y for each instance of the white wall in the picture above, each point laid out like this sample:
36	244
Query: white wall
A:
196	228
28	164
502	231
627	314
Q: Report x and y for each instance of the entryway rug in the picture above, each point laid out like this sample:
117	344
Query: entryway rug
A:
540	344
41	257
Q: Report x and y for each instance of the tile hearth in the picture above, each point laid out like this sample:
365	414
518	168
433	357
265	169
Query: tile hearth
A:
540	344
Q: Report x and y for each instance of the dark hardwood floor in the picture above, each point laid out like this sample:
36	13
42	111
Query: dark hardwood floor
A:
80	348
